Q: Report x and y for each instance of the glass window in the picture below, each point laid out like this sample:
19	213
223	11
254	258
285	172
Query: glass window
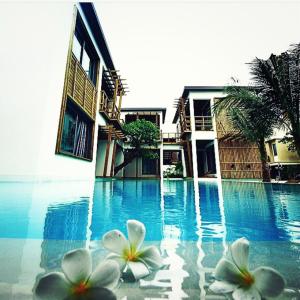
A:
274	148
84	52
86	62
149	166
67	143
77	133
76	49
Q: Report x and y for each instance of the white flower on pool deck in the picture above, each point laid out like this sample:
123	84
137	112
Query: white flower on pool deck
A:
77	277
129	253
232	275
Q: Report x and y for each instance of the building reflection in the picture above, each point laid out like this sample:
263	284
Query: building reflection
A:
117	201
65	229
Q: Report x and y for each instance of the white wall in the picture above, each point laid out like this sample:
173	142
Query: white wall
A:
33	60
33	63
119	160
203	135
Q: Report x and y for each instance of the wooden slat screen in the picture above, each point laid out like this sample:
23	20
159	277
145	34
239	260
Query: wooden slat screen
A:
239	159
80	88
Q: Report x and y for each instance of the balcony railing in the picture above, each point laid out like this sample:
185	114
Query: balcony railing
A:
80	88
203	123
107	106
185	124
171	137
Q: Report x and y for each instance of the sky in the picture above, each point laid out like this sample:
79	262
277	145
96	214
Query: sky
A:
162	46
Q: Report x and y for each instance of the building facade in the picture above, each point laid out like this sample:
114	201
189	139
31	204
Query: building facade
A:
144	167
205	138
284	163
63	119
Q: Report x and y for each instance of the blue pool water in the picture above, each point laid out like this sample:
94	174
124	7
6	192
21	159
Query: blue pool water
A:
259	212
190	222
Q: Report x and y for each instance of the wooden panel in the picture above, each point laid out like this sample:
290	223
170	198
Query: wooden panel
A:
239	159
203	123
80	88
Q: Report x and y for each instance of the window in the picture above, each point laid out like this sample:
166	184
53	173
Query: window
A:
76	133
149	166
84	51
171	157
274	148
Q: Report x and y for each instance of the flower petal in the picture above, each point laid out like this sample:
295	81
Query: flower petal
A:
115	241
77	265
138	269
136	233
94	294
268	281
227	271
119	259
250	293
53	286
106	275
151	256
222	287
239	251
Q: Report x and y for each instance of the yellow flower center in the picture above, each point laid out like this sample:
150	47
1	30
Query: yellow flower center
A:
131	255
80	288
248	279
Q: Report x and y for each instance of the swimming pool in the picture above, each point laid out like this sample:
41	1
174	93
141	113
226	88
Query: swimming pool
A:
190	223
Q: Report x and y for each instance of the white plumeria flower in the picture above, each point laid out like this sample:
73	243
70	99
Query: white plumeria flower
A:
77	277
232	275
129	253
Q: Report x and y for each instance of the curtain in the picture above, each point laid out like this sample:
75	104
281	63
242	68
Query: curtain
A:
80	138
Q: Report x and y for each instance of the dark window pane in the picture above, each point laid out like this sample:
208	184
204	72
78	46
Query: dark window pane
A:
274	147
149	166
77	132
68	135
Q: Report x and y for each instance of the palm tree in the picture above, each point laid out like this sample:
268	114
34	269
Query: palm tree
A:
250	118
277	80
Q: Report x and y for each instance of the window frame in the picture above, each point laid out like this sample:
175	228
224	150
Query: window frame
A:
274	149
86	44
65	98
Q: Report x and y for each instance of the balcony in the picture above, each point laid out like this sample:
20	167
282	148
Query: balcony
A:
80	88
185	124
171	138
203	123
109	109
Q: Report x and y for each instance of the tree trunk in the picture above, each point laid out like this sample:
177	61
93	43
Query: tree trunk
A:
128	158
264	161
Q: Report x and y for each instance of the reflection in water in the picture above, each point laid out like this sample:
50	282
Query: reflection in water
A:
256	211
66	223
128	199
190	222
226	211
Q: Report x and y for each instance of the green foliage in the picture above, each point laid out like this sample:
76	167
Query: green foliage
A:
174	171
277	80
247	113
141	133
289	141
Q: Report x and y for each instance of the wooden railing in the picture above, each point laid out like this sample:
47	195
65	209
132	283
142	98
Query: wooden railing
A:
80	88
203	123
185	124
107	106
171	138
